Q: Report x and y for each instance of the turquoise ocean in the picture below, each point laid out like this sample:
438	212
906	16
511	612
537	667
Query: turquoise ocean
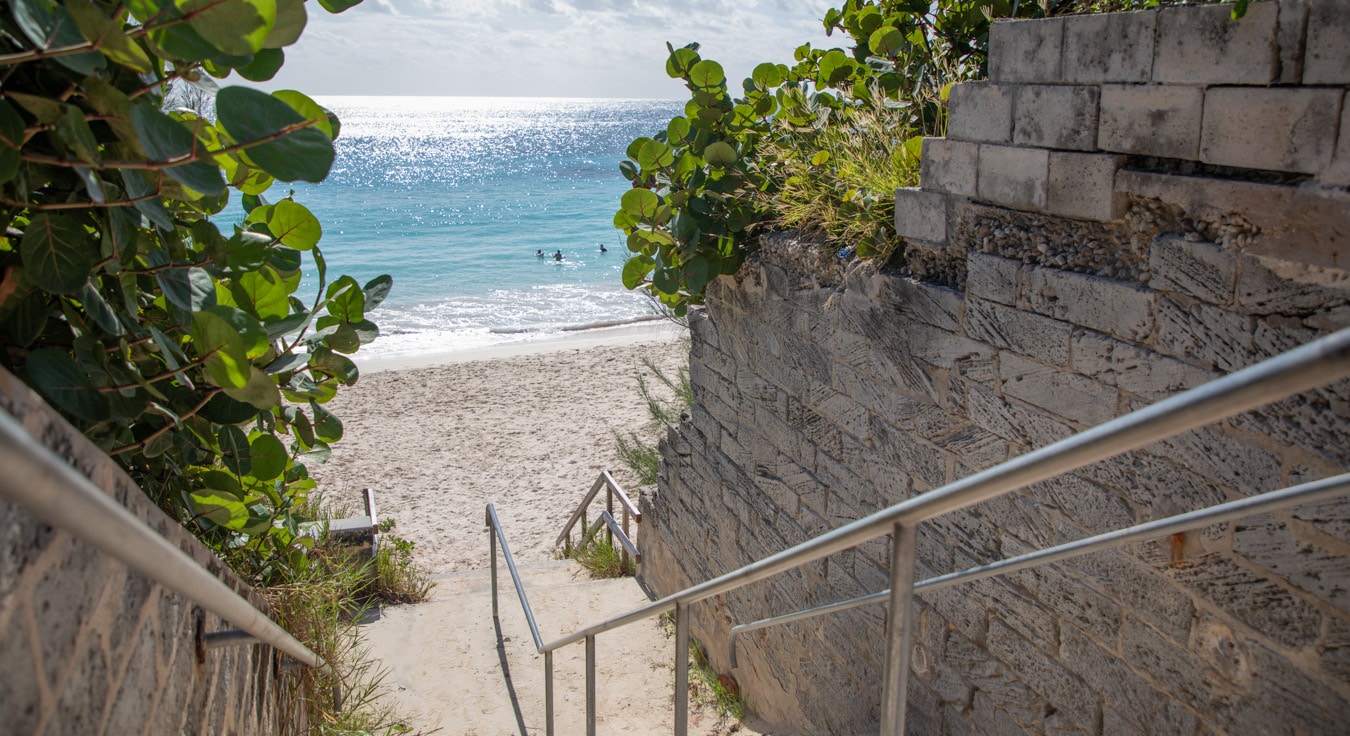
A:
453	196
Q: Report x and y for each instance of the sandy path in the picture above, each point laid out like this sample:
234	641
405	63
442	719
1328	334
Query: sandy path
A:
529	433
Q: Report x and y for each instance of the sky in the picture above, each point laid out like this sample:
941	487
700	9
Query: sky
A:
538	48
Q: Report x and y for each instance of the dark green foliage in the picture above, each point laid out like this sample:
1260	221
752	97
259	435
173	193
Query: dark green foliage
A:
187	353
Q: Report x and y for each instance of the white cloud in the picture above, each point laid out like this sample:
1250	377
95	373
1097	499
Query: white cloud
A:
583	48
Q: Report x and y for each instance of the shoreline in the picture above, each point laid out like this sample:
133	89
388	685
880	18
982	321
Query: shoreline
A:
649	331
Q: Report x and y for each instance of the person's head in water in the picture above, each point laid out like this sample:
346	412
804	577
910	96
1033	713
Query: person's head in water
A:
539	253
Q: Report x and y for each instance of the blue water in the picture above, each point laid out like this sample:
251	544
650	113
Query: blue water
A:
453	196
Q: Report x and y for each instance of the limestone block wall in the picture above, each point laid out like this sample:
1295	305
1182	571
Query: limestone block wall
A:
90	647
1095	234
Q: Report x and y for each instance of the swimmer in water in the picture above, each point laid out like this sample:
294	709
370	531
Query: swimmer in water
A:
558	256
602	248
539	254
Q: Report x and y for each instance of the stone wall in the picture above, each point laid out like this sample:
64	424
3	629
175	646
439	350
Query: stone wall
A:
1133	205
90	647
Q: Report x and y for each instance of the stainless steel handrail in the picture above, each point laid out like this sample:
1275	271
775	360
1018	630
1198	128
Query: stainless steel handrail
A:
44	484
495	536
1319	490
1317	363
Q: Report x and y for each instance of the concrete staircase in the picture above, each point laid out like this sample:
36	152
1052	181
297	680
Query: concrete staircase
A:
449	676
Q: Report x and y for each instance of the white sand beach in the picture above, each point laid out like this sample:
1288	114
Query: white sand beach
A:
526	426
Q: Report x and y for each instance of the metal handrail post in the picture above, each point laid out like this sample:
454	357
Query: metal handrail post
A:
590	686
492	555
899	630
548	693
681	669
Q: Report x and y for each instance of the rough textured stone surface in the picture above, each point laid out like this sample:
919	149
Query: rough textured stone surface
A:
1082	185
1298	224
1056	116
1338	171
1151	120
92	647
992	278
1109	47
1093	302
1276	129
1015	177
1202	270
949	166
1206	46
1327	58
1025	51
921	215
980	112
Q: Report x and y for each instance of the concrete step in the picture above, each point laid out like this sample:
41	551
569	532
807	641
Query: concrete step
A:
449	676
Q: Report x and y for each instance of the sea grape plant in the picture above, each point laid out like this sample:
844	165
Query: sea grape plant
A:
705	186
184	349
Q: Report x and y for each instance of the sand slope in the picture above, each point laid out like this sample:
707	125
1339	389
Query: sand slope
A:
529	433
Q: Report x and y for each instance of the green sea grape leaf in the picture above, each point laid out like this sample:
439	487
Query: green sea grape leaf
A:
77	136
49	26
222	482
707	74
98	310
276	137
222	348
62	380
290	22
640	203
654	154
250	332
720	154
259	391
346	301
327	427
265	65
680	62
696	274
267	293
886	41
269	457
108	34
189	289
57	253
310	110
148	202
235	451
165	139
636	270
294	225
377	290
219	508
769	74
337	6
235	27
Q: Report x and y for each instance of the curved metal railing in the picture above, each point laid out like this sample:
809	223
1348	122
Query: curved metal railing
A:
38	480
1310	366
